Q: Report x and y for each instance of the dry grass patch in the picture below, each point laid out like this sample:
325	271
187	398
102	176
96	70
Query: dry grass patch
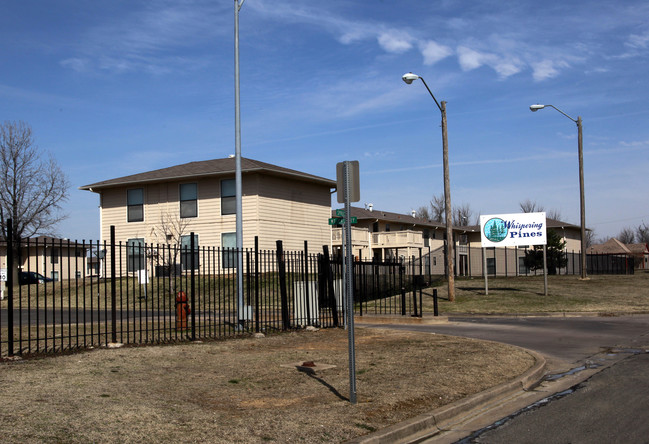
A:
600	293
237	391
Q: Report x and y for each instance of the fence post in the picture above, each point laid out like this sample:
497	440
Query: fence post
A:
403	287
257	284
192	283
306	282
281	265
435	309
10	288
113	290
415	286
330	285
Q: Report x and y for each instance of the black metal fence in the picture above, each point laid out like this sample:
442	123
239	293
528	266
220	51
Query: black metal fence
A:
509	262
130	293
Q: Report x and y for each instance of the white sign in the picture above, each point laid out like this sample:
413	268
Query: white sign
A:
143	277
3	275
511	230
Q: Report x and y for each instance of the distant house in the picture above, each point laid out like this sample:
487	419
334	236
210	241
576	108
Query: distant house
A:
639	252
199	197
54	258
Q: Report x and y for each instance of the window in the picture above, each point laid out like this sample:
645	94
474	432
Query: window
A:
229	244
491	266
426	236
228	196
135	203
55	276
188	200
54	256
186	252
134	255
464	239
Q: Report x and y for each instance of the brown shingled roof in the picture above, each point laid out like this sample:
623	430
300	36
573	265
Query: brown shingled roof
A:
611	246
215	167
363	214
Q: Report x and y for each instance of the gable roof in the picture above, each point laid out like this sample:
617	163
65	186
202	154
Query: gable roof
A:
611	246
207	168
638	248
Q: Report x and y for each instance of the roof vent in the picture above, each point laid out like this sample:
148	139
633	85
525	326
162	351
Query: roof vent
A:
231	156
414	213
370	206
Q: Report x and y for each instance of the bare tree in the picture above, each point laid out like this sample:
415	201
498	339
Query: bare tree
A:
423	213
438	206
642	233
529	206
626	236
32	189
462	215
168	234
590	238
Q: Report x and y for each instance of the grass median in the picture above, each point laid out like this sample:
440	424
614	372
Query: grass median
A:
516	295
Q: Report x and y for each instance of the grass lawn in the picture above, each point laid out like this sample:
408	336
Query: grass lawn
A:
598	293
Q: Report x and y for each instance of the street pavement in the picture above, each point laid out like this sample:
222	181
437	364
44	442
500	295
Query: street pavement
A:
612	406
603	357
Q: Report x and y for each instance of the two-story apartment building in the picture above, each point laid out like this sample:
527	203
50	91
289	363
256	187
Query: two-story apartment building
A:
383	235
199	197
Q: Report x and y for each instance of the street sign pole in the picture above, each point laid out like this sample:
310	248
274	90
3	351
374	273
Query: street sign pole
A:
350	287
348	187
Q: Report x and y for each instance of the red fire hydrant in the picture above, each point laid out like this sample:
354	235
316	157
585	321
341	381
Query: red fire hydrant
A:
182	310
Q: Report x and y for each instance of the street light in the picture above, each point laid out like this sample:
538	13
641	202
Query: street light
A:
582	202
409	78
237	164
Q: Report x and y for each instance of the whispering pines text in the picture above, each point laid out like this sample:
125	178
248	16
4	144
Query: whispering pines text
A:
515	229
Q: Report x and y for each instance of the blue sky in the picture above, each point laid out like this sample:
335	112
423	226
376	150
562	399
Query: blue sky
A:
118	87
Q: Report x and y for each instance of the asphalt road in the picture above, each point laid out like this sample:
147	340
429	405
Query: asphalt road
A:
612	405
562	340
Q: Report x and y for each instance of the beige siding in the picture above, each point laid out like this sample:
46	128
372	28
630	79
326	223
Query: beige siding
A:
274	208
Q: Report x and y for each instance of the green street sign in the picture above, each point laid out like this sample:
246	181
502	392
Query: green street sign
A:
340	213
340	220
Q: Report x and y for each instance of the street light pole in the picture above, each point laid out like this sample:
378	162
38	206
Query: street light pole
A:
450	250
237	163
582	199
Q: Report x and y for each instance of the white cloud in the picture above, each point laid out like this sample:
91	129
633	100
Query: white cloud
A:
433	52
505	66
470	59
638	41
76	64
395	41
546	69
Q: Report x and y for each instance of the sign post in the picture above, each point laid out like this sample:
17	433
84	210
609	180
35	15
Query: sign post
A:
513	230
348	188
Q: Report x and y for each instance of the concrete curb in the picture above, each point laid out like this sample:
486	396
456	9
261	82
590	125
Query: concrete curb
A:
557	314
428	424
400	320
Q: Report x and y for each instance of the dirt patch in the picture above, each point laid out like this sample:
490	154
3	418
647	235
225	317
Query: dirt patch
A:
238	391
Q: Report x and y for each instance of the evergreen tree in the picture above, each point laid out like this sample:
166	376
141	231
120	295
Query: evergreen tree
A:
556	255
